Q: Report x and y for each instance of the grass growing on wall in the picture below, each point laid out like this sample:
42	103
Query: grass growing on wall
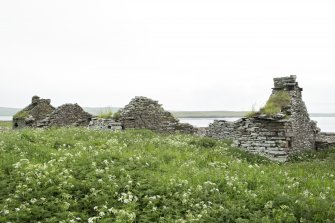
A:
77	175
21	114
107	114
276	102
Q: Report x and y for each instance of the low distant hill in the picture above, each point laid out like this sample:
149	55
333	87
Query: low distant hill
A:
8	111
322	114
208	114
4	111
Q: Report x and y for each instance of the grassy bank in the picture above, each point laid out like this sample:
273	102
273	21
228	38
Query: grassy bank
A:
76	175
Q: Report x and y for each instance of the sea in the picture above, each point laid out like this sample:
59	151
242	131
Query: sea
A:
327	124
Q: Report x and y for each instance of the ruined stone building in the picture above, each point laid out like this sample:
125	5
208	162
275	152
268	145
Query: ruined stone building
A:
145	113
41	114
275	136
67	115
38	110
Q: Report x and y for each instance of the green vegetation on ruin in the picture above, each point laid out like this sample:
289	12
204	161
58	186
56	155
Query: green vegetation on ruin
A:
78	175
106	115
110	115
276	103
21	114
117	116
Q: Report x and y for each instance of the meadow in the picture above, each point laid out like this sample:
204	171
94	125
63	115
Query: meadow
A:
79	175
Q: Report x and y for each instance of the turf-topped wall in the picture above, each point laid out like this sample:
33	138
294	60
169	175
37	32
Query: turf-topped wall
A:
281	127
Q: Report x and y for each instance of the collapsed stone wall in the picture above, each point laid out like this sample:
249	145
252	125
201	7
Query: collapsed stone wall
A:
67	115
104	124
325	140
145	113
38	110
288	131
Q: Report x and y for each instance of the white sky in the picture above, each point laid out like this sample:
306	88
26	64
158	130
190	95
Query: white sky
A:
188	54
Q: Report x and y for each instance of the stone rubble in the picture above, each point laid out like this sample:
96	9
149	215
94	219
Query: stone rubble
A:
104	124
145	113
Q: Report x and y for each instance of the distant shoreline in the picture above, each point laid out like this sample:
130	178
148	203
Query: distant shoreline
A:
178	114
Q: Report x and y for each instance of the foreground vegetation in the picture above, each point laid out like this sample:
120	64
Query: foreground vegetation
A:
77	175
6	124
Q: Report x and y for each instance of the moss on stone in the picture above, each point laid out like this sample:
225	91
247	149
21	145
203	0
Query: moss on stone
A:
21	114
276	103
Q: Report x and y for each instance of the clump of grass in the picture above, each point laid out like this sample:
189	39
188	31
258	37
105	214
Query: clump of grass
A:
204	142
21	114
276	103
106	114
116	116
252	113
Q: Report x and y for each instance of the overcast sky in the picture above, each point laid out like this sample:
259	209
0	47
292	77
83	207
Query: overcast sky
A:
188	54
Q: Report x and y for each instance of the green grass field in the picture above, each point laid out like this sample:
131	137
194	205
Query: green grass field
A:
5	124
77	175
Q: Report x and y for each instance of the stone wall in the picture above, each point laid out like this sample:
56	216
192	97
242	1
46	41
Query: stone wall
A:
288	131
104	124
325	140
145	113
67	115
303	130
257	135
38	110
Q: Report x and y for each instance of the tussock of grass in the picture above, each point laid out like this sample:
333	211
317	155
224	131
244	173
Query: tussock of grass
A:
116	116
276	103
106	115
110	115
21	114
77	175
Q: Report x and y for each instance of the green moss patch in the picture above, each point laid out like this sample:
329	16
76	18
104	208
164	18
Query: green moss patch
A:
21	114
276	103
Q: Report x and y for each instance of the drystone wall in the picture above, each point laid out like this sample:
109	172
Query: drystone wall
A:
67	115
325	140
257	135
288	131
145	113
304	130
104	124
38	110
